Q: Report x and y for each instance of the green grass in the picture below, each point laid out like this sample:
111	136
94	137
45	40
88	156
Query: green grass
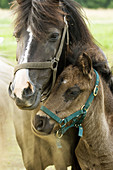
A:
103	33
8	47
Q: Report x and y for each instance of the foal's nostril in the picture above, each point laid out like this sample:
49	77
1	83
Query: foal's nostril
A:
42	124
39	122
39	125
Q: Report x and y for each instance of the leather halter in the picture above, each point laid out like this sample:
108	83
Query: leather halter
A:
76	118
52	64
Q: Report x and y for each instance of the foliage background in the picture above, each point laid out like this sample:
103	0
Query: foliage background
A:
84	3
5	3
96	3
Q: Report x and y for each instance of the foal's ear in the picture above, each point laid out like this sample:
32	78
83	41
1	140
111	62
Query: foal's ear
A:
19	1
56	1
85	64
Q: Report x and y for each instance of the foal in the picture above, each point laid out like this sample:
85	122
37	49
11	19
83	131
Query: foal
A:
72	90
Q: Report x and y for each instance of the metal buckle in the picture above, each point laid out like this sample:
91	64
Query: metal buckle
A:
83	108
43	98
95	91
54	64
63	123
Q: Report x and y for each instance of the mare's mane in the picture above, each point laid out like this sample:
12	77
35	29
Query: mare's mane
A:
40	14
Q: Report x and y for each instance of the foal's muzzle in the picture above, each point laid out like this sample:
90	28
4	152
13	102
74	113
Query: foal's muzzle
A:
42	125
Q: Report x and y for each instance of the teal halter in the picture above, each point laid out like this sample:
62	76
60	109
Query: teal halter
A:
77	117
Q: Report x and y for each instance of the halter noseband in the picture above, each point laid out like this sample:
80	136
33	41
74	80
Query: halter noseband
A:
52	64
77	117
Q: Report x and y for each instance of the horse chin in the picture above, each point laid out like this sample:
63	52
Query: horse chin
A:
42	134
31	106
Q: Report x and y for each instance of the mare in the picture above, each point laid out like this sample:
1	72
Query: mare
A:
71	95
8	145
37	153
47	32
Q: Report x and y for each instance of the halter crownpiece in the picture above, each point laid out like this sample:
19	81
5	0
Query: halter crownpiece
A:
52	64
77	117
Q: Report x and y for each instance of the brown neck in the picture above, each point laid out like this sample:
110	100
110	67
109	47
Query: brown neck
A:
97	132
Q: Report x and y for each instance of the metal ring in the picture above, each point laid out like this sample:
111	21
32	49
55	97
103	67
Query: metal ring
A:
54	64
95	91
59	134
63	122
82	107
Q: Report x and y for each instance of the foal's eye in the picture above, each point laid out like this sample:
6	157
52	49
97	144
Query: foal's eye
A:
54	37
72	93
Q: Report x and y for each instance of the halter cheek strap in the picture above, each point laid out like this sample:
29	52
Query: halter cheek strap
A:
77	117
53	64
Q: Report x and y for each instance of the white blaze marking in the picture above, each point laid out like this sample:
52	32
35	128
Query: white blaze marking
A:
22	76
26	54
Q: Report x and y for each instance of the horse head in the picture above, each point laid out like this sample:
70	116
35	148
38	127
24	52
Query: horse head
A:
70	93
40	40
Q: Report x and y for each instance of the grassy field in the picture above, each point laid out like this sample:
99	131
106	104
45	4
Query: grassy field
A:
100	24
8	46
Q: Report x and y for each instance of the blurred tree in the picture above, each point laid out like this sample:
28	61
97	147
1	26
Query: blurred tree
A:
5	3
110	5
95	3
85	3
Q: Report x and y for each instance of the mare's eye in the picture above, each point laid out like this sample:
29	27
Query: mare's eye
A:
16	58
17	39
72	93
54	37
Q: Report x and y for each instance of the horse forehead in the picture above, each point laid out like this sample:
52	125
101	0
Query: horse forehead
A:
29	29
24	58
72	75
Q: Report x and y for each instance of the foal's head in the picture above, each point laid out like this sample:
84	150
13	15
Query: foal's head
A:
71	92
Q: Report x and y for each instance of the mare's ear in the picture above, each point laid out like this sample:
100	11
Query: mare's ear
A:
85	64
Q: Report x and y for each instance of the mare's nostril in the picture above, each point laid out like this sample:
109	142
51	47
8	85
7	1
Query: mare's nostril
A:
11	90
28	91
